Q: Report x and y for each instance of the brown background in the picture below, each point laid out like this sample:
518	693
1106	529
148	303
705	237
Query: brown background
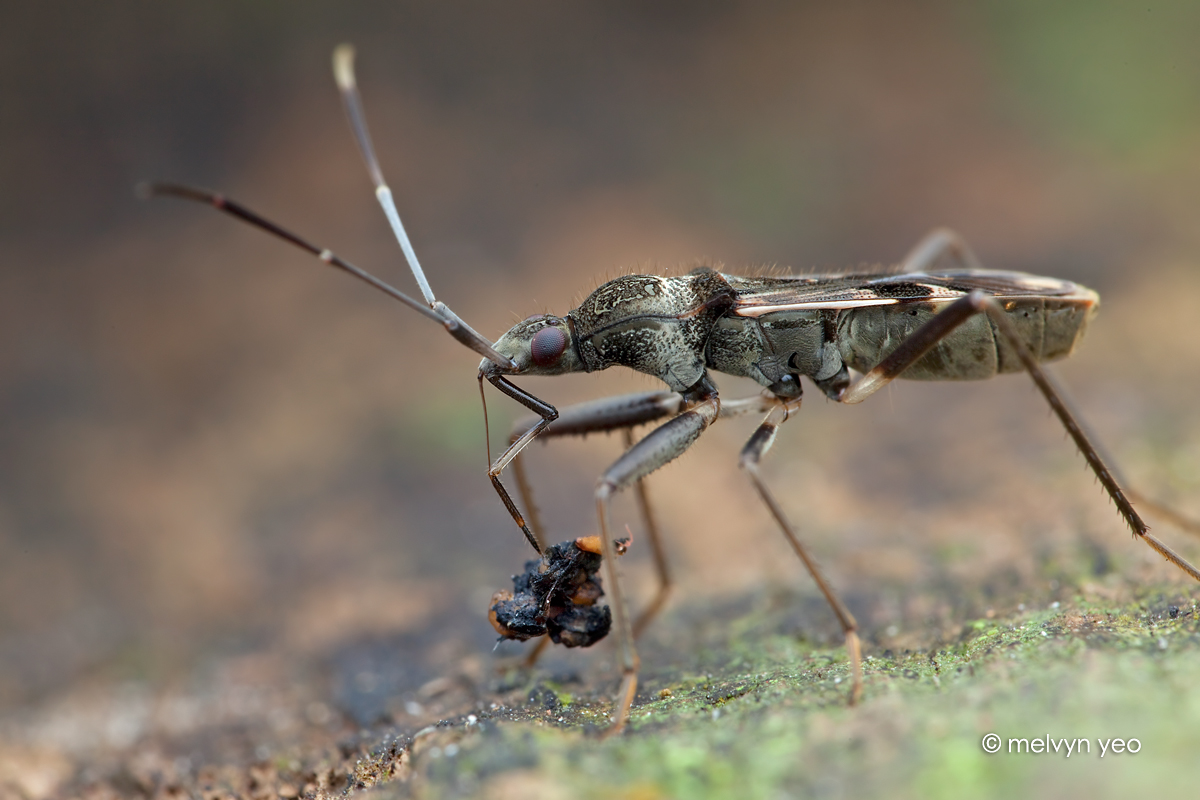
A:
211	445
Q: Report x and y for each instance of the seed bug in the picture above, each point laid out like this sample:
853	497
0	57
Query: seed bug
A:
917	322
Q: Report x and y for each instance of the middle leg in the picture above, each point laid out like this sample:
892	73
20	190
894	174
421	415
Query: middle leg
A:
760	442
661	446
650	521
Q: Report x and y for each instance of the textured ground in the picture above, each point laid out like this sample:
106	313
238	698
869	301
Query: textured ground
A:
735	700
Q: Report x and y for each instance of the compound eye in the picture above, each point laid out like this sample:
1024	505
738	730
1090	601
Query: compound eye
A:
547	345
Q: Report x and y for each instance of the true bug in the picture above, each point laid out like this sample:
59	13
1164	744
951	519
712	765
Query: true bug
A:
917	323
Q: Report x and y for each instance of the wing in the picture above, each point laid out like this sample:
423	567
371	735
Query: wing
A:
758	296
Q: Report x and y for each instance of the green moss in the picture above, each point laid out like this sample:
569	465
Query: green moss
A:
771	720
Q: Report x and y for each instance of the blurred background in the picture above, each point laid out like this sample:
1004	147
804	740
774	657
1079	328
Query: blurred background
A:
211	444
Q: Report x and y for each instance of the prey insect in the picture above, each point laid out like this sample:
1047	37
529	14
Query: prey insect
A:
957	323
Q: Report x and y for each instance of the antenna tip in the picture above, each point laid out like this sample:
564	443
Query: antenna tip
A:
343	66
143	190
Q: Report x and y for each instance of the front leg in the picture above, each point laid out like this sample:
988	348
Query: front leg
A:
608	414
546	414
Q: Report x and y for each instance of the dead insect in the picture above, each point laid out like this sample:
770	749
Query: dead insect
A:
556	597
924	324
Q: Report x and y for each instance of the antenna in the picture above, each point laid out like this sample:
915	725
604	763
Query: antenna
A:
343	73
343	70
235	209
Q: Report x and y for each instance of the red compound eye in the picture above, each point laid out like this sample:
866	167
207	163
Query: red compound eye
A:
547	345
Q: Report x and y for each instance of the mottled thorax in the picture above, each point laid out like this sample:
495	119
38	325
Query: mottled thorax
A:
652	324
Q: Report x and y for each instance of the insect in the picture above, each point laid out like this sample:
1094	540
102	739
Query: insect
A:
919	322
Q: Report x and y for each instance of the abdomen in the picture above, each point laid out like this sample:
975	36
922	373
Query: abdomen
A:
1050	326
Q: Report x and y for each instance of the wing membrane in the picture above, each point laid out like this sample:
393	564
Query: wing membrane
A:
758	296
